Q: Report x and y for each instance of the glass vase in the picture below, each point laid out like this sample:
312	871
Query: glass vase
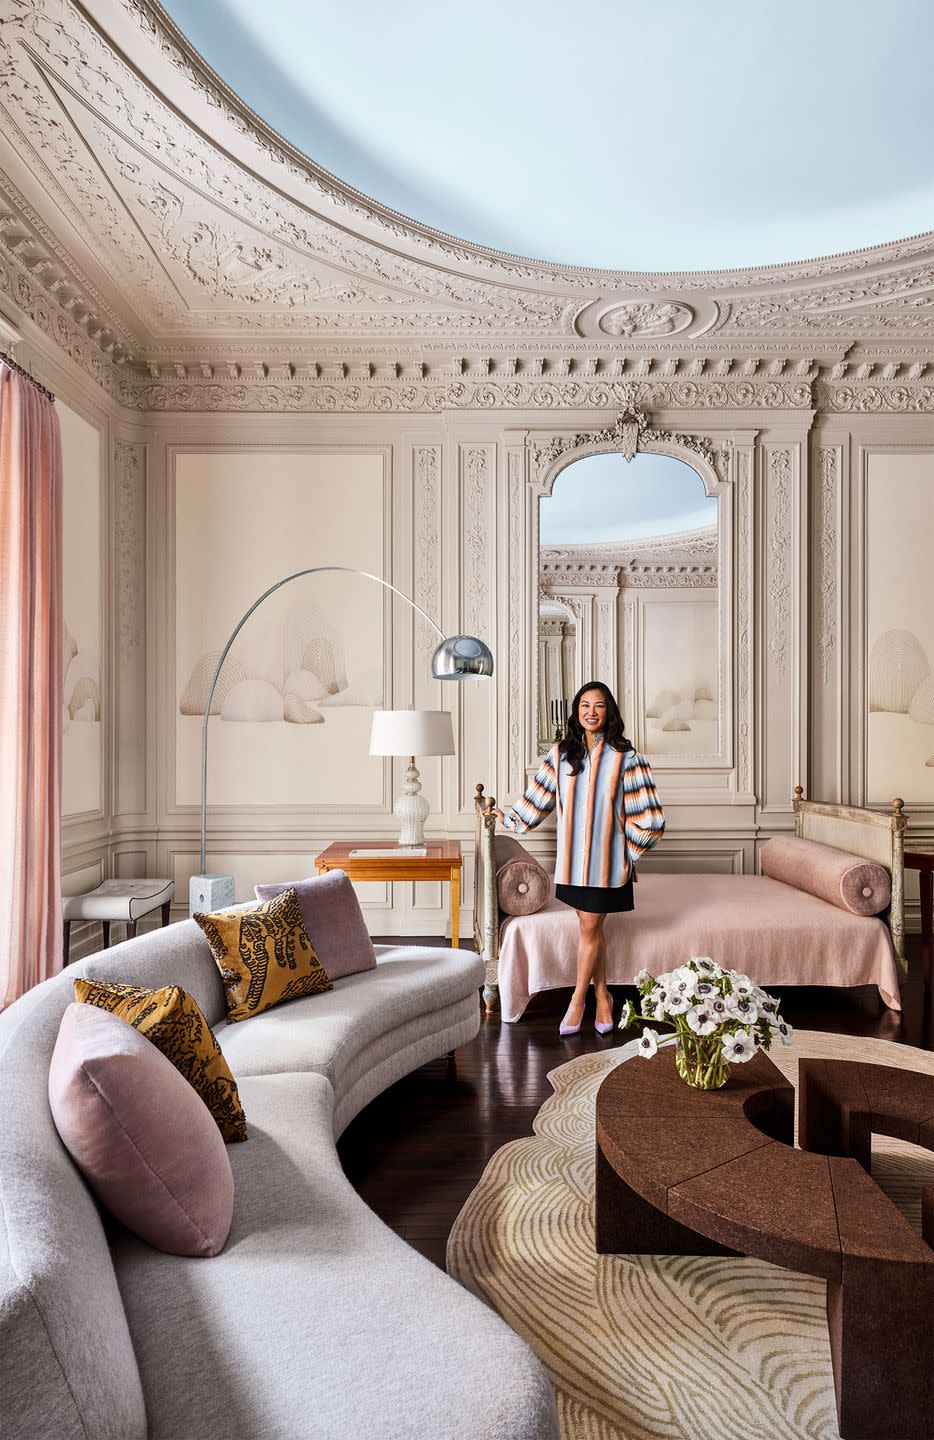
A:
700	1063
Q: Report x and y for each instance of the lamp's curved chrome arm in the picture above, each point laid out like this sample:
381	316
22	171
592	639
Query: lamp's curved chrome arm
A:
314	570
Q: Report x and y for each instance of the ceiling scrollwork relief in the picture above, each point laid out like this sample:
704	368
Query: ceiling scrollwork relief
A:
204	264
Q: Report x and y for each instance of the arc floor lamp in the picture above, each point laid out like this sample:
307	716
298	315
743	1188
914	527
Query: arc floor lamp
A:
458	657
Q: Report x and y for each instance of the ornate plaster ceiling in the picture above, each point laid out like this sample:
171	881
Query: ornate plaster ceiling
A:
190	258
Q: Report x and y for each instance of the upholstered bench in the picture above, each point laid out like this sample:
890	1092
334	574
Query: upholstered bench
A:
125	901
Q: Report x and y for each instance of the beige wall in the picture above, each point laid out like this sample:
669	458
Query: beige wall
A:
811	520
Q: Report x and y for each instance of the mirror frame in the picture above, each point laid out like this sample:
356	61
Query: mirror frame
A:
724	465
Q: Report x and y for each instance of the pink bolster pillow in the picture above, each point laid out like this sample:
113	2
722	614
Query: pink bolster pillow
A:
861	886
522	886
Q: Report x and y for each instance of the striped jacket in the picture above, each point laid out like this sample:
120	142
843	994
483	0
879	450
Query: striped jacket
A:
609	814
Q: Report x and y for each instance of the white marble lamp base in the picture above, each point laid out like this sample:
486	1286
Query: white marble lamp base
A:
411	808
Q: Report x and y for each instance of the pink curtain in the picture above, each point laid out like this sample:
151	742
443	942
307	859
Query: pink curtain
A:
31	684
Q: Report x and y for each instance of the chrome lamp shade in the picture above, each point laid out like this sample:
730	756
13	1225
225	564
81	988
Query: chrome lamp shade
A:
461	656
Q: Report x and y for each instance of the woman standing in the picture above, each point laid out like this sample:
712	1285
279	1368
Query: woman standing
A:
609	815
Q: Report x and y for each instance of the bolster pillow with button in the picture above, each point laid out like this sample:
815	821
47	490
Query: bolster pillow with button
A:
861	886
522	886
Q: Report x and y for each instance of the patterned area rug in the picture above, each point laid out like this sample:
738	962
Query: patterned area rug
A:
698	1348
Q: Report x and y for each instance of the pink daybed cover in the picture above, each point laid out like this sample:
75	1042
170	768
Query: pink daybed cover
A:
770	931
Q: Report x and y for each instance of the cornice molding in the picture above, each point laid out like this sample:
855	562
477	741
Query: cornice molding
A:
187	258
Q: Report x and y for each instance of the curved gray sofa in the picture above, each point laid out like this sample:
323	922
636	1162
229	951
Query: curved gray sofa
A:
315	1322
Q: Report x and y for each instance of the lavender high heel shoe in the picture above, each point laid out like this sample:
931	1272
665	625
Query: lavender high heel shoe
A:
603	1028
565	1029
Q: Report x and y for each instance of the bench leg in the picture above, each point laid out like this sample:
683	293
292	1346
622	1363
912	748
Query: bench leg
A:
66	942
105	927
625	1224
165	912
880	1320
131	929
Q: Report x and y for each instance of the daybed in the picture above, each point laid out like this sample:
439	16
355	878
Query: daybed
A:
315	1322
774	932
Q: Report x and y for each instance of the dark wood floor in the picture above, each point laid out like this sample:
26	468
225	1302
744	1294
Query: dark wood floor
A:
417	1151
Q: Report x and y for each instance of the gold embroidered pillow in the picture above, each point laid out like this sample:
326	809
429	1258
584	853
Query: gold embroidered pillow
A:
175	1025
264	955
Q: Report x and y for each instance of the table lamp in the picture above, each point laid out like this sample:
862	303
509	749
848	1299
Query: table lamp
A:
411	732
458	657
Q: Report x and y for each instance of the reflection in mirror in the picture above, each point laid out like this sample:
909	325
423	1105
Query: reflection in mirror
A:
628	594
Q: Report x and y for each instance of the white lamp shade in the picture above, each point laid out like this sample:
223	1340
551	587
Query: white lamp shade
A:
412	732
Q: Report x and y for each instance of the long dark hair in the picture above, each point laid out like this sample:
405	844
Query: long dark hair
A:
574	745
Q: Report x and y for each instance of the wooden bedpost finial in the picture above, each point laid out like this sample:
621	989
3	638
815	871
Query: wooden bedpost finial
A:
799	791
898	805
480	791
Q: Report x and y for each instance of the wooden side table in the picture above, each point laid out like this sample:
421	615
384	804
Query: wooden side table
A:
442	861
923	862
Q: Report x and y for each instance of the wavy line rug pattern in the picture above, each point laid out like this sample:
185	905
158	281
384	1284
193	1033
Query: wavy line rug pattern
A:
666	1347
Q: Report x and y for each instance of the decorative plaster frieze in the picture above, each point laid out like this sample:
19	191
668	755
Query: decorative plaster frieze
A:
866	398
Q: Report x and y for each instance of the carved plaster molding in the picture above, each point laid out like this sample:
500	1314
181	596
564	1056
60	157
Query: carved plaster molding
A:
630	432
129	544
828	474
230	267
778	540
514	466
744	559
426	484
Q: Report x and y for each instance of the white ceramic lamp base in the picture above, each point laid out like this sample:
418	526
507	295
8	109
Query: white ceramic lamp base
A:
411	809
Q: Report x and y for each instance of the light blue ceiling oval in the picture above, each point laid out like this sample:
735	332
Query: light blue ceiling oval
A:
677	136
607	497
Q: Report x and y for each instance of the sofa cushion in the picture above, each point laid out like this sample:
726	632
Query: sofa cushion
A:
334	921
144	1140
317	1321
522	885
175	1025
327	1034
65	1350
174	955
864	887
263	954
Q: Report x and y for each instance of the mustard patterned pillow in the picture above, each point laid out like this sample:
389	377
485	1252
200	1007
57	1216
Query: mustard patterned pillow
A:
173	1021
264	955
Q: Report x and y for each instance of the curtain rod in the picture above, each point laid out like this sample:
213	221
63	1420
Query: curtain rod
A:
6	359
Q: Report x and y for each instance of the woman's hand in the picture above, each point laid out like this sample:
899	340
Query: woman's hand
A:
498	813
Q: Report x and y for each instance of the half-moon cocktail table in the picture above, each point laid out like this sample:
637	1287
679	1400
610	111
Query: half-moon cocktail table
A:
685	1172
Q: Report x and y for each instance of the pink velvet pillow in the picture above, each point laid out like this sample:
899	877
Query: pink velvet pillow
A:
143	1139
522	885
863	887
333	919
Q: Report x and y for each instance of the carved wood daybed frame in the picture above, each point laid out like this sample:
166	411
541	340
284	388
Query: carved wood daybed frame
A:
871	834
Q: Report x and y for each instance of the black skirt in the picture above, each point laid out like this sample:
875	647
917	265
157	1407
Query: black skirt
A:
597	899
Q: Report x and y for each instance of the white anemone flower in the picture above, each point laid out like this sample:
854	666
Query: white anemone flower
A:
704	989
741	1007
682	981
641	977
648	1045
677	1002
742	985
705	966
782	1028
701	1021
627	1016
717	1006
739	1048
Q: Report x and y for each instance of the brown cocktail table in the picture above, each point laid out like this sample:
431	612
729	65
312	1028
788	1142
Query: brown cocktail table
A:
683	1172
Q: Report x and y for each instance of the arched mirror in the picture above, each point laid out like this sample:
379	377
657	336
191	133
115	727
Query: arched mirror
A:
628	593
